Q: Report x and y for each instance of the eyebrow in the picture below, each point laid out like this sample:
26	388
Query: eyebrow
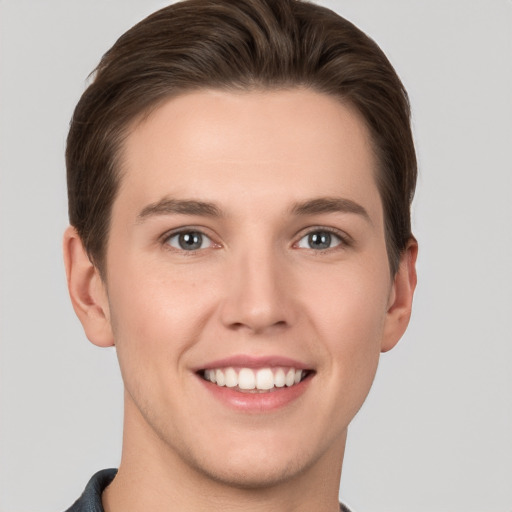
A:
330	205
168	206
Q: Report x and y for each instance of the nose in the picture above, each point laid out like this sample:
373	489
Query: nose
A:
259	294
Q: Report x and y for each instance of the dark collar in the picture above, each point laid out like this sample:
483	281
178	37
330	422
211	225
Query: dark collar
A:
90	501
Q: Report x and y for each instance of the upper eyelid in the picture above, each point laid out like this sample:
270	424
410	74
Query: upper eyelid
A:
185	229
343	235
164	241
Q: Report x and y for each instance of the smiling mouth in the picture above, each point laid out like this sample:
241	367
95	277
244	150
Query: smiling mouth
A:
249	380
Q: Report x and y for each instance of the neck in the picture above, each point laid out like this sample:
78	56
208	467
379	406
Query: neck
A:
153	476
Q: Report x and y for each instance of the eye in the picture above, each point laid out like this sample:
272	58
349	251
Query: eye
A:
189	241
319	240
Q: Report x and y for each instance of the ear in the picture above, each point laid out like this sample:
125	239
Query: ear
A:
87	291
400	299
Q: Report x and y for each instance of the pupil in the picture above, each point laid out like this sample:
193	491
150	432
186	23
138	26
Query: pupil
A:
190	241
320	240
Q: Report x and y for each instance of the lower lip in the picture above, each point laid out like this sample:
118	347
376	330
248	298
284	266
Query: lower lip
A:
257	402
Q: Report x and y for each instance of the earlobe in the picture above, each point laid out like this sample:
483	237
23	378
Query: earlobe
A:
402	292
87	291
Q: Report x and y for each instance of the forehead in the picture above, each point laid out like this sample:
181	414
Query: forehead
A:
260	145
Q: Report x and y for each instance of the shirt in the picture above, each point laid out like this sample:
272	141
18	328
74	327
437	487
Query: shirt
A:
90	501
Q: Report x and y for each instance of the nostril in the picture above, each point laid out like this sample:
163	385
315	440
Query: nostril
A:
258	327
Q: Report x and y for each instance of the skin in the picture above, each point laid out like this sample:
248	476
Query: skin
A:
256	287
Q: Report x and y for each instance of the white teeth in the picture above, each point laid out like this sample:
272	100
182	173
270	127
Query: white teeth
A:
279	378
231	378
219	377
246	379
262	379
290	378
210	375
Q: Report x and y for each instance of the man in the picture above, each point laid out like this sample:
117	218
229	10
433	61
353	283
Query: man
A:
240	174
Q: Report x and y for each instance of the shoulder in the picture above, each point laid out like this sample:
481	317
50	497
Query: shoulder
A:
90	500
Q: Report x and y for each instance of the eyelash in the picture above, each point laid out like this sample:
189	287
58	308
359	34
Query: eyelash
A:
189	230
345	240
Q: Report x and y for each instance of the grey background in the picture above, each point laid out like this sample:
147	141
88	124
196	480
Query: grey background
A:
436	432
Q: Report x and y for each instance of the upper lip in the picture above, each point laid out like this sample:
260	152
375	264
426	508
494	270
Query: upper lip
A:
248	361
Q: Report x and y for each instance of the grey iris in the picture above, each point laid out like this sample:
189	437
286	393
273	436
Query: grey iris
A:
319	240
190	241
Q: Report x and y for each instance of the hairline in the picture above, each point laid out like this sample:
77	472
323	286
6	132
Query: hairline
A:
236	87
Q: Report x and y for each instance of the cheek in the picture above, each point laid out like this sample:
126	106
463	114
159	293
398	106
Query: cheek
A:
349	313
156	317
353	334
349	302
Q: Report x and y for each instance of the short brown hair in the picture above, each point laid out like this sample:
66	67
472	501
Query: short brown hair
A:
236	44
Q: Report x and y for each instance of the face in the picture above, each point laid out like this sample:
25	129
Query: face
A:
249	292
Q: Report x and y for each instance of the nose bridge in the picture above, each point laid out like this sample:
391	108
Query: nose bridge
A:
256	296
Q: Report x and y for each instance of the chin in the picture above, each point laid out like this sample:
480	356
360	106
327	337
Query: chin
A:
254	473
259	460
